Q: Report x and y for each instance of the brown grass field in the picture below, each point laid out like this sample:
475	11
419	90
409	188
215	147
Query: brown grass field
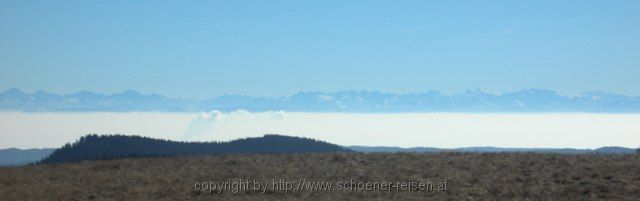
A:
469	176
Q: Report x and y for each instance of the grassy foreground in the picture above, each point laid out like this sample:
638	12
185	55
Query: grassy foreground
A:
505	176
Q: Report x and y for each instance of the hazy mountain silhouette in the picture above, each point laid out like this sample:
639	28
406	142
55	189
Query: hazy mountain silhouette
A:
13	156
532	100
95	147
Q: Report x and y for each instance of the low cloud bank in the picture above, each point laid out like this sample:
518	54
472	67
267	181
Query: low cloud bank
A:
444	130
206	126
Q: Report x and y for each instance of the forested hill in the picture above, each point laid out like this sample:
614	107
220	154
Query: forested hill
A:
95	147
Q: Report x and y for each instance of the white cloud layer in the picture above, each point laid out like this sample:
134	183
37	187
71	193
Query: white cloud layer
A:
446	130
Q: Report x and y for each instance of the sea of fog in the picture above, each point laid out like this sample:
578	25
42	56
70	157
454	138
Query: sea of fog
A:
444	130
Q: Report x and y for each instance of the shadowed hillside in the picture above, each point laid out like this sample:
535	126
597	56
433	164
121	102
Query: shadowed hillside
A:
95	147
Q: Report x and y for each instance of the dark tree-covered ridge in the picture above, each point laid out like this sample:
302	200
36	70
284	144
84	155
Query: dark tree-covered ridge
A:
97	147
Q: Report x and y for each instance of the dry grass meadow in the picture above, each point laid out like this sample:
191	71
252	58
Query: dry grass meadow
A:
504	176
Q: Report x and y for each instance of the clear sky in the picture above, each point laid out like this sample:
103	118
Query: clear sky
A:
207	48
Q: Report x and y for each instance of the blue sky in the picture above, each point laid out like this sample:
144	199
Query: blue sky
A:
269	48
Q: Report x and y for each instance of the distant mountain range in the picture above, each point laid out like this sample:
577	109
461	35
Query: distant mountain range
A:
13	156
533	100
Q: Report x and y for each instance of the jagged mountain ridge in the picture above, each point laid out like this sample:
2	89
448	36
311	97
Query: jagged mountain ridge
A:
532	100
